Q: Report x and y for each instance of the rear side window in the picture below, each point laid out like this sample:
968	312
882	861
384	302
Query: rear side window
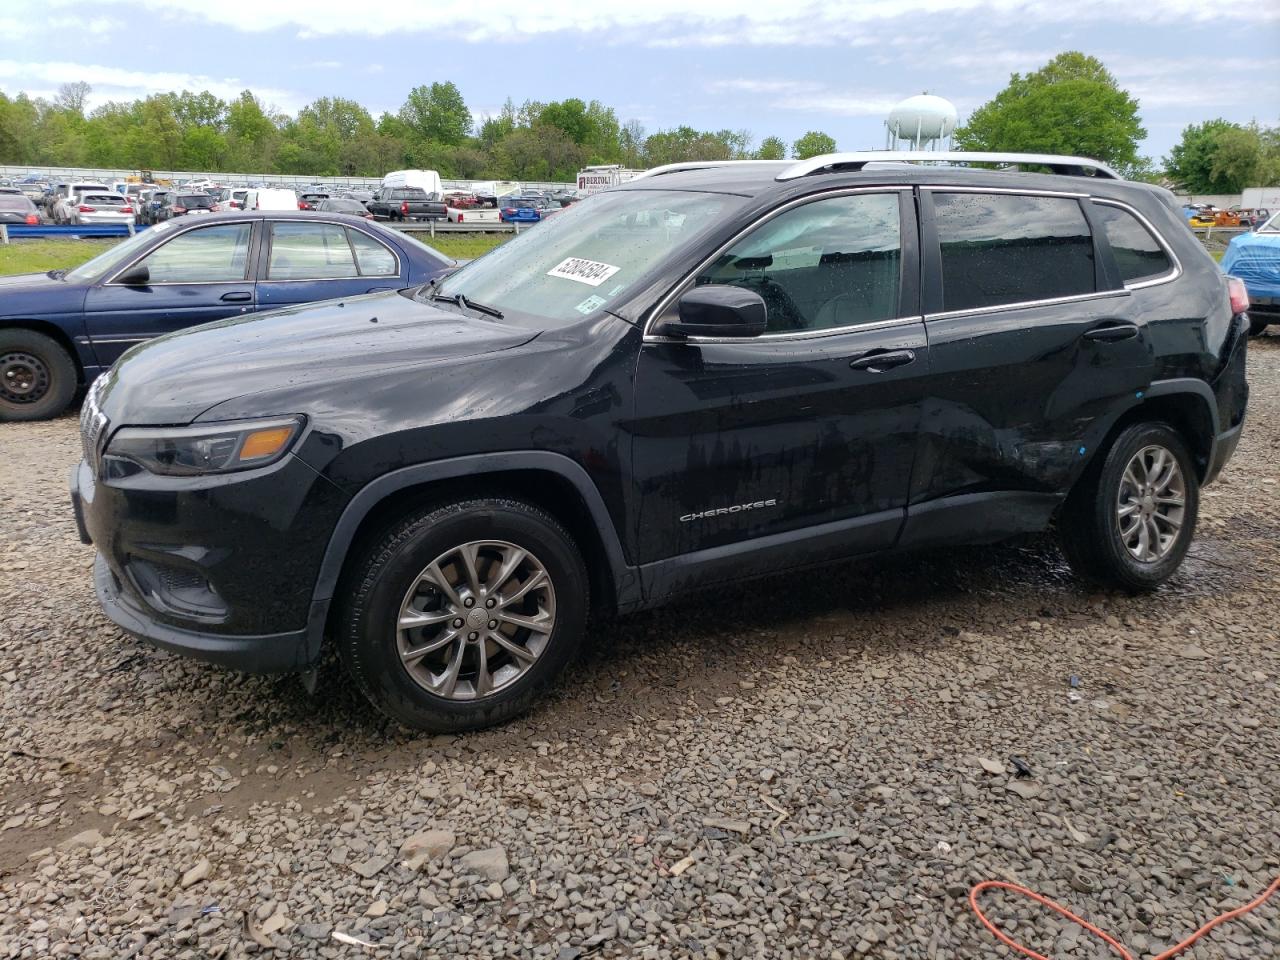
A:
310	251
374	259
1137	253
1000	249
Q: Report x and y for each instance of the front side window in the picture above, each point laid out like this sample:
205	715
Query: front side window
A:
208	255
1137	253
827	264
310	251
1000	249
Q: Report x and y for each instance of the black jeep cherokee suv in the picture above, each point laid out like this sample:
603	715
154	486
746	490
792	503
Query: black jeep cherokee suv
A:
711	373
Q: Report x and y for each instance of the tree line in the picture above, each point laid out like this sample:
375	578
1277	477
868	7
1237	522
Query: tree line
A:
1071	105
334	136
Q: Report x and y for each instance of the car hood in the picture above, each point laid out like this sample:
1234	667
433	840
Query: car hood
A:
33	281
286	353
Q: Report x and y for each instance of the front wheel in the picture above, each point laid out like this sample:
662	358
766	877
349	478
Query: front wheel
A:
1130	519
37	377
461	615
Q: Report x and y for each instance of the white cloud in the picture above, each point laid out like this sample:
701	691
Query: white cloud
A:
677	23
323	65
805	96
116	83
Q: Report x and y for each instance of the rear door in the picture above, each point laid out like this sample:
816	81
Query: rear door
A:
1034	344
199	275
308	260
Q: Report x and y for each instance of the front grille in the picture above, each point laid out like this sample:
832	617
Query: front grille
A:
93	425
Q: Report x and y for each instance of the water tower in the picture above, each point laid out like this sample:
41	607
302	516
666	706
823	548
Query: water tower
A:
925	122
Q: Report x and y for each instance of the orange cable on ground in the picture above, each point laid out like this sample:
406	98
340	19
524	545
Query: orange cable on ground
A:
1101	935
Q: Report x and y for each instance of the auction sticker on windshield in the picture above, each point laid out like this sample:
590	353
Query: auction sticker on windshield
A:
583	271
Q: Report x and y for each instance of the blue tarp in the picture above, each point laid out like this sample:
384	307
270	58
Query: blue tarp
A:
1255	259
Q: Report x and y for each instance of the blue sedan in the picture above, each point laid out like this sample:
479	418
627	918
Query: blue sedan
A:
520	210
59	330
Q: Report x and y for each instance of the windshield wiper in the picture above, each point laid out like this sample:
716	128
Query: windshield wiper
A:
459	300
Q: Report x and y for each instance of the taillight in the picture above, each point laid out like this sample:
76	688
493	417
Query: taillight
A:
214	208
1238	294
83	209
404	208
126	209
33	220
460	217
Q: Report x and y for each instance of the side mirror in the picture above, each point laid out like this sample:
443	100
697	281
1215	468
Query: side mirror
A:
718	310
135	276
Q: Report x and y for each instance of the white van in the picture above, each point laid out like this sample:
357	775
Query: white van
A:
427	180
270	198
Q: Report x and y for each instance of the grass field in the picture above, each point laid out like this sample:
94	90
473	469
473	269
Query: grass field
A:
37	256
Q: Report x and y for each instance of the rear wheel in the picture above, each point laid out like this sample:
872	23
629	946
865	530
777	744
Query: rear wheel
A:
1258	325
37	377
461	615
1130	519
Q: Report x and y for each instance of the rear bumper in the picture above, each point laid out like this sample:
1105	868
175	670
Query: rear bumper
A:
267	653
1224	446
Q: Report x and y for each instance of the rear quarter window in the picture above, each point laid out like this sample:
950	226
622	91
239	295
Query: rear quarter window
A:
1137	253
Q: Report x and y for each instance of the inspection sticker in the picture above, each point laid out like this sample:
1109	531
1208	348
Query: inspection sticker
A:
592	302
583	271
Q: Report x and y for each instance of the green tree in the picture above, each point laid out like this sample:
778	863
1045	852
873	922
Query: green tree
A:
772	148
1071	105
813	144
1218	156
437	113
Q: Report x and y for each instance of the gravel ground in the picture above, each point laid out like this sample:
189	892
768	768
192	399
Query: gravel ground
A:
810	767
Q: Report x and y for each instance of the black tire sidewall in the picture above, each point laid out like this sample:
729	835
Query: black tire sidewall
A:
62	375
368	632
1258	326
1120	564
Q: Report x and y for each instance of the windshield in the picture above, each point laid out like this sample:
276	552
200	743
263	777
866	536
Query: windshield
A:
588	256
1272	225
121	253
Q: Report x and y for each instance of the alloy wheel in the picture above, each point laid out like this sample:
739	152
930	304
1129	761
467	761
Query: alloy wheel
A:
476	619
1151	504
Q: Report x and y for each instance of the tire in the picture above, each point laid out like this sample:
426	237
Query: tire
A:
1090	526
37	377
393	579
1258	326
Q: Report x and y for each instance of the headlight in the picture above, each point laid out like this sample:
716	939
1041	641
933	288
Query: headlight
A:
208	448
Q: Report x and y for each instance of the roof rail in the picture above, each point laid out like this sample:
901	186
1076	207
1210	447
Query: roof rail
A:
1069	166
700	165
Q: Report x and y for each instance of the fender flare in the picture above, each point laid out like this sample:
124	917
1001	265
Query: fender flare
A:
625	578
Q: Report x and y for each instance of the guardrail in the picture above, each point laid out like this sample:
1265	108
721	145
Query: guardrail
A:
22	230
440	226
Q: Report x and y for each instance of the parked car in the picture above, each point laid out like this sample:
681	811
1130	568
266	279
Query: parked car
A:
427	181
711	373
461	201
407	203
102	208
9	191
310	201
68	198
231	198
18	209
336	205
152	201
520	210
33	190
364	196
183	204
60	330
1255	259
270	198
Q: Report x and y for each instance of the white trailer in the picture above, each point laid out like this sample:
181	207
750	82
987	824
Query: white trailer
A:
1255	197
602	177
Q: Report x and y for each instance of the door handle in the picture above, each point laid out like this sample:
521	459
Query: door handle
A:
879	361
237	296
1112	333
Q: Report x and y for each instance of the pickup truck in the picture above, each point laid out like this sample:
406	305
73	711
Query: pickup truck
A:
408	203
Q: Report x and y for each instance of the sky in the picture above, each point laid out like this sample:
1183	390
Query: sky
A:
772	68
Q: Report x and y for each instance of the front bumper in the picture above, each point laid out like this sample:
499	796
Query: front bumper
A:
221	569
289	652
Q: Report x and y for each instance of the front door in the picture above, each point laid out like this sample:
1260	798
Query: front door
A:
1033	341
309	260
739	442
198	276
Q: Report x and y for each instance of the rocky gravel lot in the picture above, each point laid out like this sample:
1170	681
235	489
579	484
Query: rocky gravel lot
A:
816	766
